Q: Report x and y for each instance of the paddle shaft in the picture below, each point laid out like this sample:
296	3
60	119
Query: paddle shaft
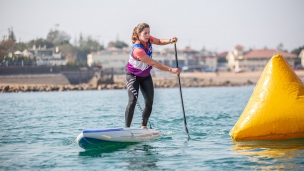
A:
180	91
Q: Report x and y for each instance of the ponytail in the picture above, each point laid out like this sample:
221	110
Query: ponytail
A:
134	35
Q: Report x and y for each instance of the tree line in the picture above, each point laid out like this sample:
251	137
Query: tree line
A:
76	54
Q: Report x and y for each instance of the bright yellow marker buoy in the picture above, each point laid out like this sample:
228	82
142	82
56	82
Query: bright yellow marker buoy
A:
275	110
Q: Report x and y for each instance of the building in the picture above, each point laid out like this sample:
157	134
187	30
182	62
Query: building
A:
254	60
188	59
114	58
234	57
221	61
117	59
209	61
44	56
167	57
301	55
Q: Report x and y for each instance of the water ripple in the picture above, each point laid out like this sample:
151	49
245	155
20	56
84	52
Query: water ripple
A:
38	132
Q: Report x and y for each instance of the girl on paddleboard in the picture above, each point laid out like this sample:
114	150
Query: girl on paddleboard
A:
138	71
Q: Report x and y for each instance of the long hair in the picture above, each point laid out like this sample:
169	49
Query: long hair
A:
138	29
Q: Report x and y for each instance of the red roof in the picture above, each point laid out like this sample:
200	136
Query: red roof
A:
239	47
268	53
222	54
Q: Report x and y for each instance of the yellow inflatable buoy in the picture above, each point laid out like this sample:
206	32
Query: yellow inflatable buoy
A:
275	110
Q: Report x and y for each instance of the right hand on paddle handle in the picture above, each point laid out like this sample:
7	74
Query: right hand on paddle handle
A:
175	71
173	40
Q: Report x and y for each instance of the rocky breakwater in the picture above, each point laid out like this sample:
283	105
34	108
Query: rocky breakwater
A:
45	83
119	84
197	82
49	87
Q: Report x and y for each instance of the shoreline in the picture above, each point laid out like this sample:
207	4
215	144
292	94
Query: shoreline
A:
56	82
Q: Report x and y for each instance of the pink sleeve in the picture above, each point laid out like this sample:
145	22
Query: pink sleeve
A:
138	52
151	39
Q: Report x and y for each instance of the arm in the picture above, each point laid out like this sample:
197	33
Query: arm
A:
163	41
146	59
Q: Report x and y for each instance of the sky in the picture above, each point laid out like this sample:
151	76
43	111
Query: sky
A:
216	25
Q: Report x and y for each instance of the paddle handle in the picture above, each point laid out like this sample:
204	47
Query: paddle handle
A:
180	92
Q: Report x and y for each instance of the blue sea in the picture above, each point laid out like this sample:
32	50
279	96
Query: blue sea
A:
38	132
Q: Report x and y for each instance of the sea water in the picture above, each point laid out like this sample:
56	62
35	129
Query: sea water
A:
38	132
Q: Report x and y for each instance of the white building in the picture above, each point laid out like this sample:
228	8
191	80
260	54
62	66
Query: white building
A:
110	58
188	59
45	56
254	60
234	57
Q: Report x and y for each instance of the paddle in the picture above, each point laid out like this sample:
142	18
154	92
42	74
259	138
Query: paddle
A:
180	92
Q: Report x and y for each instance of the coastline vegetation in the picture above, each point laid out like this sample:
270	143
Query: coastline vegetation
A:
75	53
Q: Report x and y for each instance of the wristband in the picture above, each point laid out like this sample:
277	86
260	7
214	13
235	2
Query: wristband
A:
170	41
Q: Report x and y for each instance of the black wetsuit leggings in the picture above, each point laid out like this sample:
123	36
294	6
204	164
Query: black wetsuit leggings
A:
133	84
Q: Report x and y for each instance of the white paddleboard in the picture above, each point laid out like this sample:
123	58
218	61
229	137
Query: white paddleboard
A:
94	138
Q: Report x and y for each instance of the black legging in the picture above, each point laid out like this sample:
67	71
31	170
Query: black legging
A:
146	87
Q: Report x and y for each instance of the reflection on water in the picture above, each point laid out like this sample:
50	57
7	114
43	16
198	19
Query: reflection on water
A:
97	152
272	154
139	156
142	158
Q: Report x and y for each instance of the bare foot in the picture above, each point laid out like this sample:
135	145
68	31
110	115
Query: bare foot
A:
144	127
